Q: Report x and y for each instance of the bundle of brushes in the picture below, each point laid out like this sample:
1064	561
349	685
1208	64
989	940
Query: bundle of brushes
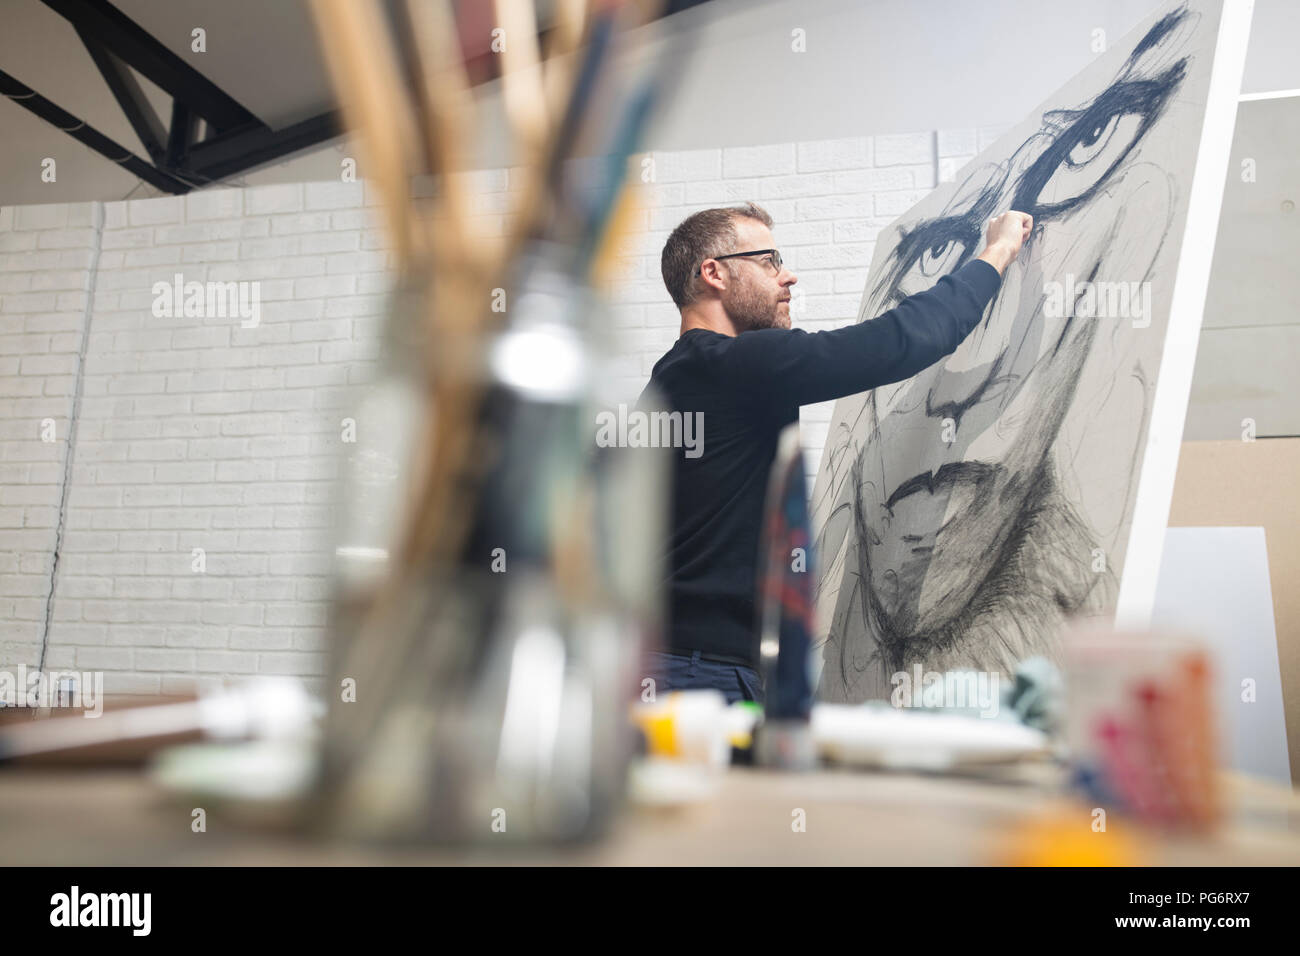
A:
487	664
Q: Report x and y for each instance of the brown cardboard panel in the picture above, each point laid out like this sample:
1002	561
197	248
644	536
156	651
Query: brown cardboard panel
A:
1239	483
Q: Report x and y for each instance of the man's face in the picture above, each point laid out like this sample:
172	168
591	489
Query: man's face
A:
757	296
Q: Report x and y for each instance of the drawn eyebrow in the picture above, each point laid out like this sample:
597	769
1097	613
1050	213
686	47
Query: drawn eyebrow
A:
930	232
1156	34
1146	98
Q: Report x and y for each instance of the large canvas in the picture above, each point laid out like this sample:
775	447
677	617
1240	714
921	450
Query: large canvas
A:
962	516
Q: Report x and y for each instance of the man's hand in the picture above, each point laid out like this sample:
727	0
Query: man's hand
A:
1007	233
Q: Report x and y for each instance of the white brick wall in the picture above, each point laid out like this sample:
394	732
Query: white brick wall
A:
197	433
193	432
47	255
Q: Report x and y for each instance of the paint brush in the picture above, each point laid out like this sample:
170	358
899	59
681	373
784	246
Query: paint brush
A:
522	89
361	61
442	91
566	34
443	504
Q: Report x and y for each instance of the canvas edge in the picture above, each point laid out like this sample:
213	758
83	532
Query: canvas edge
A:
1187	305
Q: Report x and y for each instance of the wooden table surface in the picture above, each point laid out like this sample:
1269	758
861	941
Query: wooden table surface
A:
101	816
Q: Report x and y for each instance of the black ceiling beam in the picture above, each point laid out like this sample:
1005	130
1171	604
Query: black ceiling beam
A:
180	135
148	127
133	45
30	100
236	140
236	150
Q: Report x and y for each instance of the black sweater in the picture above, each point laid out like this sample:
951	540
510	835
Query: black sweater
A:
748	388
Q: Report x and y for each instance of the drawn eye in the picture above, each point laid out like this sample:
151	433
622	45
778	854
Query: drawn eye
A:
1091	143
926	252
1096	147
941	257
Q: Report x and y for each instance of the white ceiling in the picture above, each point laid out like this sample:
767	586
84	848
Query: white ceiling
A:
262	52
925	65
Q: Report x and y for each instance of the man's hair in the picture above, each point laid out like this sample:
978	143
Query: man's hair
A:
703	235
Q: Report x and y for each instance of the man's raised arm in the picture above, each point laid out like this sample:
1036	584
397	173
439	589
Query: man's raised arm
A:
796	367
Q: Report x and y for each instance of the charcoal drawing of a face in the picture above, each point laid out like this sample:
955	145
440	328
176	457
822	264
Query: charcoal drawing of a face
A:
967	512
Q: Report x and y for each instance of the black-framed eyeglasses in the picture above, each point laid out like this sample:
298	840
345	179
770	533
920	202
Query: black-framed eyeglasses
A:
772	253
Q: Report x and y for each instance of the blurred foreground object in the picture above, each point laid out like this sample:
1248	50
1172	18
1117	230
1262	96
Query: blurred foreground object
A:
1037	695
492	701
785	606
876	734
259	708
1062	838
696	726
480	672
1141	722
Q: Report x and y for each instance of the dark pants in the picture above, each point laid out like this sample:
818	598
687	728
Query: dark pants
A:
678	671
